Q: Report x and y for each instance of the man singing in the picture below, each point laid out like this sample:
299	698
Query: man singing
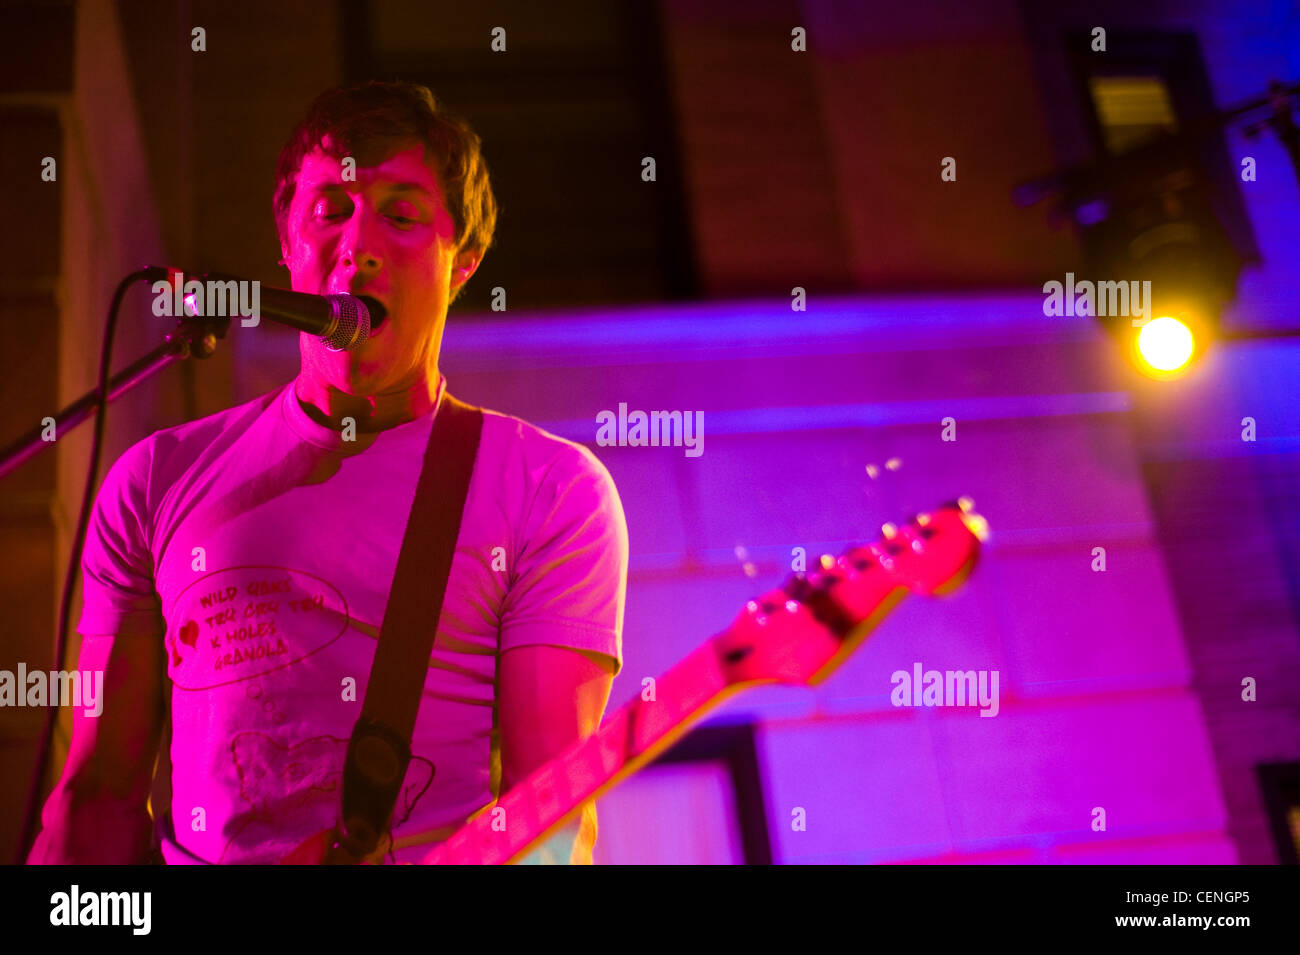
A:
237	567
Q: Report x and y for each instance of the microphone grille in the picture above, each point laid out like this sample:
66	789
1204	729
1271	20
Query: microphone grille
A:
351	323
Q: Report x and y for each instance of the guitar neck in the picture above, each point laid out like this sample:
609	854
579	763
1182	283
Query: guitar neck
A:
554	794
797	634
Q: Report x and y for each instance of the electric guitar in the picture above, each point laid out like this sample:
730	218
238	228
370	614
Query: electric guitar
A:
796	634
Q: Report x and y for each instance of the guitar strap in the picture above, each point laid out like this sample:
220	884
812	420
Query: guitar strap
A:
380	748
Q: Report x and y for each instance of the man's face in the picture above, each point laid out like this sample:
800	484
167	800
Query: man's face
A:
388	235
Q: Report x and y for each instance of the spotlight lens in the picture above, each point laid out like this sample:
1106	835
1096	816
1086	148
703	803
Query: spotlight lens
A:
1165	344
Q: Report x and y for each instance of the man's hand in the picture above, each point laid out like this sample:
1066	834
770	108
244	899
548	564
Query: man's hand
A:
96	814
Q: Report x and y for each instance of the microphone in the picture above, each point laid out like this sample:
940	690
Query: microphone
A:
343	322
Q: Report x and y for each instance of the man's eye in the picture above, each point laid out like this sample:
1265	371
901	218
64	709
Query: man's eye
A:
403	220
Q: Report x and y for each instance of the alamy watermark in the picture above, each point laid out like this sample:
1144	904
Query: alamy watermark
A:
656	429
133	909
84	688
946	688
1098	299
233	297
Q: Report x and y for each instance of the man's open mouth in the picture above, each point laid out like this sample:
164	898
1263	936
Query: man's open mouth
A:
377	311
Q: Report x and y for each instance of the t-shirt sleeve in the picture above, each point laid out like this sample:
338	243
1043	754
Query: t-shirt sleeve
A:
570	580
118	592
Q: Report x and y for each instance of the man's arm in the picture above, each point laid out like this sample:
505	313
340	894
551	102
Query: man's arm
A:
97	813
550	698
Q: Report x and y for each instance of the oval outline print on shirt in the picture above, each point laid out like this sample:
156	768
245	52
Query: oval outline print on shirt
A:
238	624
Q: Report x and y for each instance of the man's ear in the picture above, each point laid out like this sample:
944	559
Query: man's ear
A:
466	264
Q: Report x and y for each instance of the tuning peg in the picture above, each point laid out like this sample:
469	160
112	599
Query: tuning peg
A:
888	531
882	556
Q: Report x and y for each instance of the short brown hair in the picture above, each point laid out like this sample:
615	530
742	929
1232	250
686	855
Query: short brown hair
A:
371	122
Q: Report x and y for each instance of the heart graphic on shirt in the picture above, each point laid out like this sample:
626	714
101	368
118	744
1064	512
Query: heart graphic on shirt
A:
190	633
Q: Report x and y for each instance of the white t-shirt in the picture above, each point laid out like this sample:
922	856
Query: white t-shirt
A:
260	547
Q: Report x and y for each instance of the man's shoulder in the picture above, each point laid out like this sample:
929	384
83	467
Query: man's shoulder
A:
543	455
229	421
176	447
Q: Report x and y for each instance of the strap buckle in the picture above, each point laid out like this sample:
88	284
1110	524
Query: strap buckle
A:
372	778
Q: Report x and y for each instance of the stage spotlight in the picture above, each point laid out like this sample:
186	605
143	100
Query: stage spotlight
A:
1165	345
1147	213
1183	326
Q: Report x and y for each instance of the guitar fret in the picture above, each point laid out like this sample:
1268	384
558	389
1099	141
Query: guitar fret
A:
486	837
521	819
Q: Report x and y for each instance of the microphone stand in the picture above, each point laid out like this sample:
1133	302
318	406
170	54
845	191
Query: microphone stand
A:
195	336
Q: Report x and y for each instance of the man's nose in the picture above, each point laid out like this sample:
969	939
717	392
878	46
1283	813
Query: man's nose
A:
360	248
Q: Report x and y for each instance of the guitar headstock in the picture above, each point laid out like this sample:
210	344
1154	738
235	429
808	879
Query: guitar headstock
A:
800	632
